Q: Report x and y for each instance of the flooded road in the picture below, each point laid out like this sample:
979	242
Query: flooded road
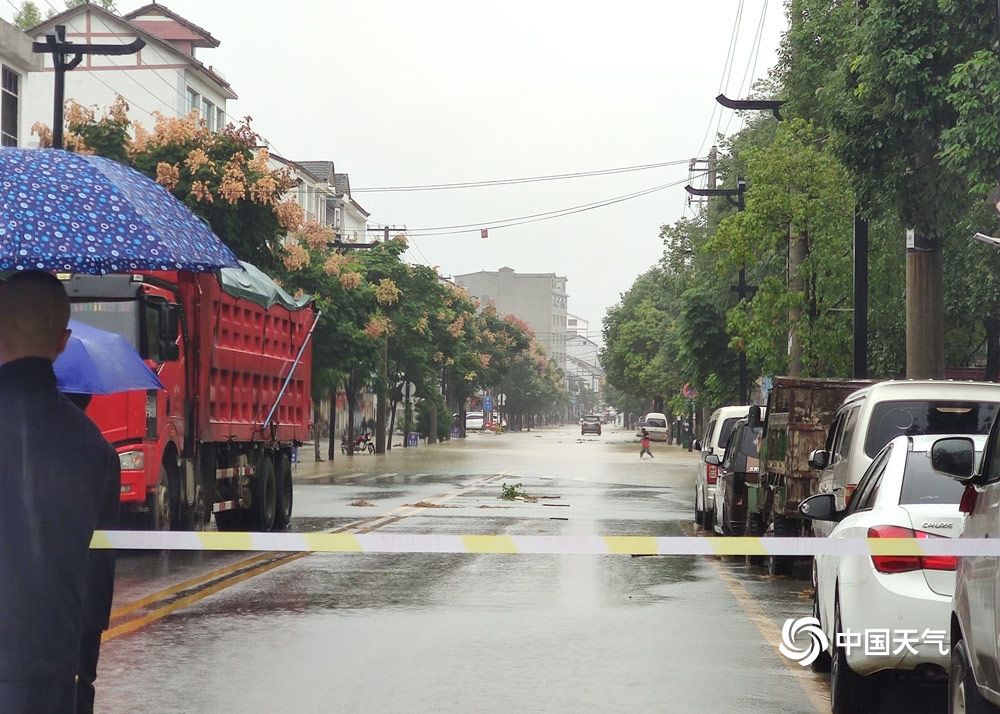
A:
370	632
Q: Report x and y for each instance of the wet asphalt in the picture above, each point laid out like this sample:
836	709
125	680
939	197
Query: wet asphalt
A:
357	632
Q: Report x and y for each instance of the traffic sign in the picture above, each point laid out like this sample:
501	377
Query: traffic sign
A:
487	404
688	391
501	399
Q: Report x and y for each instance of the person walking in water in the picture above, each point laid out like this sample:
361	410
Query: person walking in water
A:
645	445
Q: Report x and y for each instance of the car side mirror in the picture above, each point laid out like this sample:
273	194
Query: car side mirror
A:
713	460
754	420
696	445
955	457
820	507
819	459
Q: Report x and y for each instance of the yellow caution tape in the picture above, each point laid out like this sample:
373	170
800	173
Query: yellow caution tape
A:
539	544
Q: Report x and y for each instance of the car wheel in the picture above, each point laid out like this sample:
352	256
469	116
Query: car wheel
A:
699	515
781	564
963	695
846	687
822	662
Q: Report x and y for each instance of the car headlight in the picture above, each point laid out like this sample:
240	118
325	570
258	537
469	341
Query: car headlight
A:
131	460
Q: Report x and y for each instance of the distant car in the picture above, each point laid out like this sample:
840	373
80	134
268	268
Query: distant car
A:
473	421
590	424
720	426
899	496
655	424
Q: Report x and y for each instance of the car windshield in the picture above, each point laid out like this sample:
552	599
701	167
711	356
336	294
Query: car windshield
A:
926	416
592	419
921	484
661	423
118	316
726	429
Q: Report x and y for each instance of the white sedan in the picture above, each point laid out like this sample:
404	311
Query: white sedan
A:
890	613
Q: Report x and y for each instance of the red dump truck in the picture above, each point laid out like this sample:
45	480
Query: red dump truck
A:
233	351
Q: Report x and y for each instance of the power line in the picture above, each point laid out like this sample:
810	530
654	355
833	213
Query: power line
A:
526	179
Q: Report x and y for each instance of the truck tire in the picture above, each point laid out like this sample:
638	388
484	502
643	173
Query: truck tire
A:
264	500
159	503
283	492
781	564
847	688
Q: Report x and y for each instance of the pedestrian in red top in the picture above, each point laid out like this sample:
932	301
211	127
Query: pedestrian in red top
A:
645	445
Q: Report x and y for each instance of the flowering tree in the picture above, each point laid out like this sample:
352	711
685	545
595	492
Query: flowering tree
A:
223	176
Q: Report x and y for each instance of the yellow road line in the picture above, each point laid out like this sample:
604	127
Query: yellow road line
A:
812	685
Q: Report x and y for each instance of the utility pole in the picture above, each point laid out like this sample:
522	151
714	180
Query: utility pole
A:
60	49
735	198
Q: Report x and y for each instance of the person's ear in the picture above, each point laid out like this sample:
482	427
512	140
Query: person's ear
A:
63	340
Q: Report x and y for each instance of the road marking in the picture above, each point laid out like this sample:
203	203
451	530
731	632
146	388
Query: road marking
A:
811	684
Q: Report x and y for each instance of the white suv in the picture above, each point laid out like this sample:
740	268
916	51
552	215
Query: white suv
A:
720	426
871	417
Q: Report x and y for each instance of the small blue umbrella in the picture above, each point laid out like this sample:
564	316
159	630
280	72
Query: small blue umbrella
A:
99	362
78	213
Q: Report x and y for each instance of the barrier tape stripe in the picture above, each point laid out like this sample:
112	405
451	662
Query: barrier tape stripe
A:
539	544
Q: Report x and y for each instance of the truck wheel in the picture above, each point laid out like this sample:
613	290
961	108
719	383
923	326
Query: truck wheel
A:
283	486
158	502
846	687
963	696
781	564
263	502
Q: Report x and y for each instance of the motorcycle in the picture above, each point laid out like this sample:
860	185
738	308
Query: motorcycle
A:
362	442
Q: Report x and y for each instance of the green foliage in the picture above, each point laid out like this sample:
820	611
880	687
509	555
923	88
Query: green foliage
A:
28	15
513	492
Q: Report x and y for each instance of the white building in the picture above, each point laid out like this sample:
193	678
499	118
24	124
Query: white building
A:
17	64
165	76
342	213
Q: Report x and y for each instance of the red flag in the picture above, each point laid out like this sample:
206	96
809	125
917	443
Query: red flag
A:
484	233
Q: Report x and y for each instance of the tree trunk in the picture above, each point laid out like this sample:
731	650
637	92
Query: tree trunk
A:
432	425
383	397
992	325
797	251
924	310
333	423
392	425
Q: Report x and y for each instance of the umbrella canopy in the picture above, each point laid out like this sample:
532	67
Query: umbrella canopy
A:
100	362
78	213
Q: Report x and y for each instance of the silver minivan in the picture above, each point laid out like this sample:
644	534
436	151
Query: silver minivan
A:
717	430
871	417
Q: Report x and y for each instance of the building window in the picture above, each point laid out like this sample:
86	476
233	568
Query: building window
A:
8	108
220	119
194	101
208	114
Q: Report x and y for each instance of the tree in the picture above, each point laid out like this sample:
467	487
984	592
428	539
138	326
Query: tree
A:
28	15
108	5
905	86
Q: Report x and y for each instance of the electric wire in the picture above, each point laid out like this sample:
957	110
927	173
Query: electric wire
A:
746	83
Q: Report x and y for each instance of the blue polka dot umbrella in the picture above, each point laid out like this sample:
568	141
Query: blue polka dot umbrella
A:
61	211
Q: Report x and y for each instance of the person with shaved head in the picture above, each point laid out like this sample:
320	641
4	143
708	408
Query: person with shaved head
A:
59	481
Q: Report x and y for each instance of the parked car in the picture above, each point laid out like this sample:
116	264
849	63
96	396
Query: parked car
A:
720	426
473	421
870	417
655	423
590	424
908	596
739	464
974	668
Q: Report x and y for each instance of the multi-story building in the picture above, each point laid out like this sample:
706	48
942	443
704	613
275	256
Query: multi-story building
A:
165	76
539	299
345	215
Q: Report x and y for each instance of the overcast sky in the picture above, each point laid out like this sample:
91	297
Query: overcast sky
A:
441	91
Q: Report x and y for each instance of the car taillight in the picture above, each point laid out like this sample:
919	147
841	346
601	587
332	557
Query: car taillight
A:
711	473
849	491
908	563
